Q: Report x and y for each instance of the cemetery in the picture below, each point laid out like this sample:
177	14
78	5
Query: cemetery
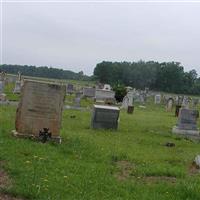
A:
74	145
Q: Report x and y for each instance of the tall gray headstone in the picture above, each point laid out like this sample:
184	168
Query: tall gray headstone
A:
187	122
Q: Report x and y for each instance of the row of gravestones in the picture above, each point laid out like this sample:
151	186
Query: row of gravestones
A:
3	81
134	95
181	101
99	94
103	95
39	113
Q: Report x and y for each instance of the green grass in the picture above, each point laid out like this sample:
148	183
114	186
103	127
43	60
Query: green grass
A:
84	165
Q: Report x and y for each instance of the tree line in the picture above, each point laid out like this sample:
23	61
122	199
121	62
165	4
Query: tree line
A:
45	72
165	76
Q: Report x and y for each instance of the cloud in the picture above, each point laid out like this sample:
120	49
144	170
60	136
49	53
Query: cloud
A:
76	36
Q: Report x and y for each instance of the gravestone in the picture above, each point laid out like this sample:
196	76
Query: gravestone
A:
70	88
40	108
18	85
187	123
125	102
185	102
136	96
17	88
77	100
128	100
89	92
169	105
105	117
103	95
157	99
1	87
142	97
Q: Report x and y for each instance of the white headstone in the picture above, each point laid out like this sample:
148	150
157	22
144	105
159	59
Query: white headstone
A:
157	99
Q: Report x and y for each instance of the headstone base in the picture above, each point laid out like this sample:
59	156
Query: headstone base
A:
187	133
20	135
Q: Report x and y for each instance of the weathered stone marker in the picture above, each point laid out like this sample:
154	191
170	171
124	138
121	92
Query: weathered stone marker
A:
89	92
2	86
187	123
105	117
157	99
18	84
70	88
169	105
40	108
77	100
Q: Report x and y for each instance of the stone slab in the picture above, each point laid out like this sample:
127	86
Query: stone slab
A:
179	131
40	107
104	94
105	117
89	92
187	119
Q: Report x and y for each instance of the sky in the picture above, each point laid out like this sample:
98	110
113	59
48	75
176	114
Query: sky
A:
76	36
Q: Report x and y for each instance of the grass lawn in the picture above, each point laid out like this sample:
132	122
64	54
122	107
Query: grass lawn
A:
131	163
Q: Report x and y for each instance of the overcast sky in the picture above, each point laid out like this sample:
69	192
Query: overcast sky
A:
76	36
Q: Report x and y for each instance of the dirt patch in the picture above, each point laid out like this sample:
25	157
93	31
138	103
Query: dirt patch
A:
8	197
157	179
193	169
124	169
4	179
5	182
